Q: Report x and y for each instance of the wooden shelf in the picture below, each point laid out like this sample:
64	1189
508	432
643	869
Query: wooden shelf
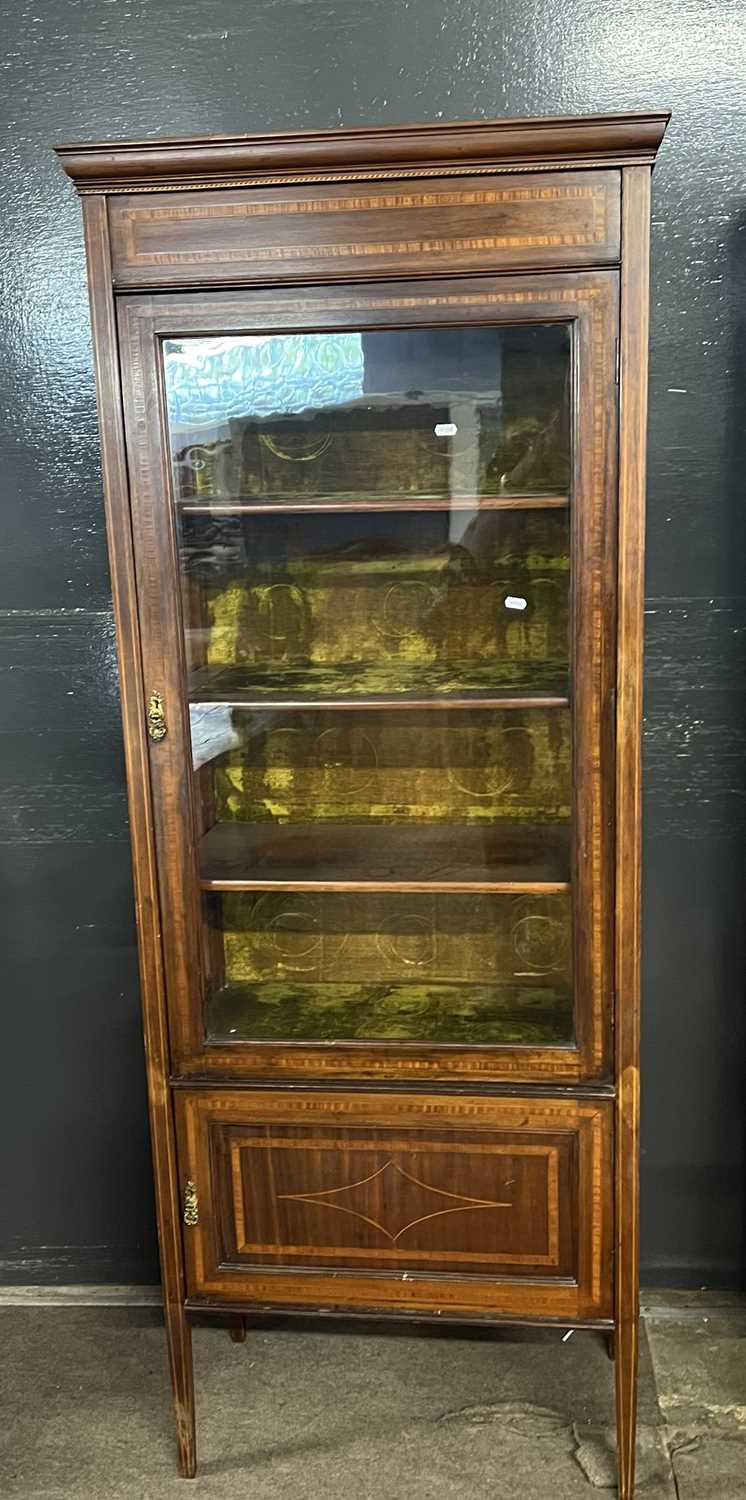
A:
532	1013
352	502
369	857
439	686
478	701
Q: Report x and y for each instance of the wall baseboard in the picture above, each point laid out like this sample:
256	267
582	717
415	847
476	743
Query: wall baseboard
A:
659	1304
77	1265
80	1296
715	1276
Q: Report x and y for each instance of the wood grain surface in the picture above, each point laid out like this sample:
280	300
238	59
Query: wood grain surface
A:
295	234
321	1188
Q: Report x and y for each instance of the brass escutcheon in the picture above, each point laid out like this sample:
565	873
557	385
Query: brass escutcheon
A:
191	1204
156	717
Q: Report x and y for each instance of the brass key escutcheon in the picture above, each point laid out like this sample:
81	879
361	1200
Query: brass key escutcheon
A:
156	718
191	1204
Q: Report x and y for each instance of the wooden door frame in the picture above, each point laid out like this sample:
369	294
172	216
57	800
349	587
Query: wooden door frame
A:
589	301
168	1197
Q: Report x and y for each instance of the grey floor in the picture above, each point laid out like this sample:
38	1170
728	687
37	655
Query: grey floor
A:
333	1412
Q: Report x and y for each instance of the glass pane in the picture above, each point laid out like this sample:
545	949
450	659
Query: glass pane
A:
364	604
422	412
374	542
429	968
383	766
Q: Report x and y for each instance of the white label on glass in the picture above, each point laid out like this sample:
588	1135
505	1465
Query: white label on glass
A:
445	429
514	602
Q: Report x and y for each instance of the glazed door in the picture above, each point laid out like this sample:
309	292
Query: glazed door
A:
374	531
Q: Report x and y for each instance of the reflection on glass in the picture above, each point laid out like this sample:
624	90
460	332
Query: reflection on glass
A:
374	543
407	968
420	412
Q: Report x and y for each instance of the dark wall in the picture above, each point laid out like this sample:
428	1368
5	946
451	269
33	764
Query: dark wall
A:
75	1177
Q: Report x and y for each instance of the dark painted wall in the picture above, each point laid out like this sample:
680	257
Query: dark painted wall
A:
75	1180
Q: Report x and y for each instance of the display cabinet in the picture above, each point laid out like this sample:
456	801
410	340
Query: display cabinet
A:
372	413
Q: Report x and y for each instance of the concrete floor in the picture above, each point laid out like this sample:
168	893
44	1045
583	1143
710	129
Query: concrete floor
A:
343	1413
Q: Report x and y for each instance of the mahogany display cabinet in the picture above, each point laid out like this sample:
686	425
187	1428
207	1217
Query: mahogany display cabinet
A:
372	409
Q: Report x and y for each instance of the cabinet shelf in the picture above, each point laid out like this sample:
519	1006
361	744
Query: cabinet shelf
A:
451	1014
365	685
369	857
250	701
353	503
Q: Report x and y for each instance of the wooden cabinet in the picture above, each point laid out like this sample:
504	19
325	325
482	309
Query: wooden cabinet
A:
509	1200
373	419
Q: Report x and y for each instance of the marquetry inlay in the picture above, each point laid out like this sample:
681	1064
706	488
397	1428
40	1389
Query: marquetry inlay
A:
326	1190
394	1229
463	197
391	1201
543	198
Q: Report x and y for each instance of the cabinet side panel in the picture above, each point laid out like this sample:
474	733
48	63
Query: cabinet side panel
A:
633	409
116	493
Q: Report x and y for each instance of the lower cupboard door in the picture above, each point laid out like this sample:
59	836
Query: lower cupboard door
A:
408	1203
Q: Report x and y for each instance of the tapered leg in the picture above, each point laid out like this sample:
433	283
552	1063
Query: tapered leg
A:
237	1329
179	1336
626	1404
610	1339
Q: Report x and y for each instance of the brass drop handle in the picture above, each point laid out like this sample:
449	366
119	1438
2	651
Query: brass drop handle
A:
156	718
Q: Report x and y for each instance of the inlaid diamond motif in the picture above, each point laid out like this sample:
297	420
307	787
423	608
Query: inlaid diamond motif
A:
392	1201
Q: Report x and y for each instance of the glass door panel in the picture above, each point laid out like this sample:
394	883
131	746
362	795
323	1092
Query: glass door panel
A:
416	968
412	768
373	535
447	413
362	604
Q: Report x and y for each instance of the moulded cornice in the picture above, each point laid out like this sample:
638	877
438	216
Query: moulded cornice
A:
480	146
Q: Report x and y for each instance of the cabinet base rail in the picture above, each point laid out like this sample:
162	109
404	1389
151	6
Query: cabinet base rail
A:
372	1314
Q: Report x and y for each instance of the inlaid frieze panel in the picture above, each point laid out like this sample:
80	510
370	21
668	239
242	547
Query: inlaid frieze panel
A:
355	230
